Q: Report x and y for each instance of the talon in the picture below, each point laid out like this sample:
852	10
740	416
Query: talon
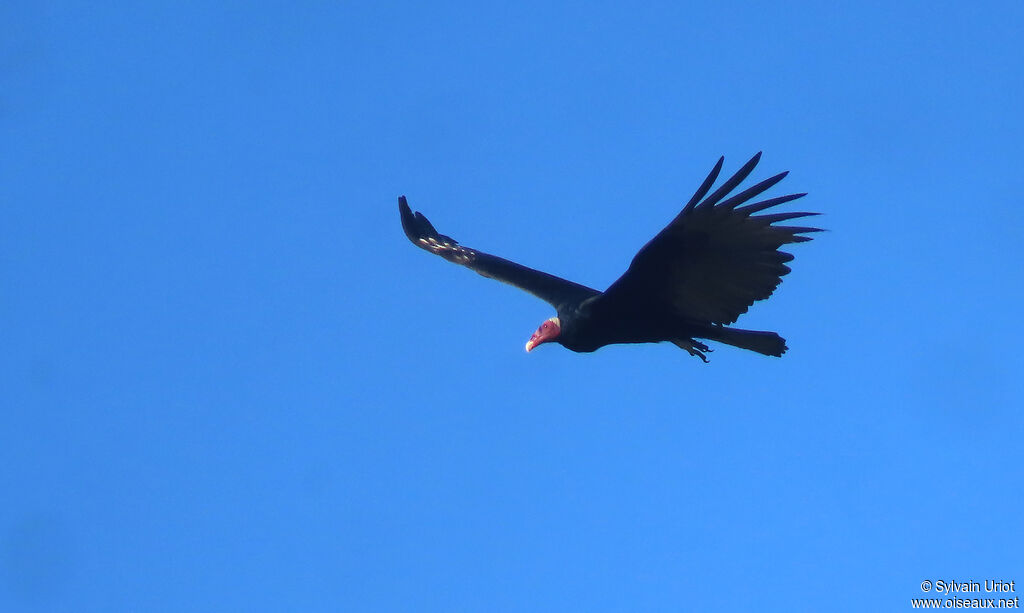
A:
693	347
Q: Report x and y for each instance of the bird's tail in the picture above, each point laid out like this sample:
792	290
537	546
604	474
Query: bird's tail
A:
768	343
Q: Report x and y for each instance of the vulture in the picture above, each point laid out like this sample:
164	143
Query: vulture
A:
691	281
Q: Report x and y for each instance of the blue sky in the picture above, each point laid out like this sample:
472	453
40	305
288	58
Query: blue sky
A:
231	384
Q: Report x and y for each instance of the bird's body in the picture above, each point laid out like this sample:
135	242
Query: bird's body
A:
589	326
690	281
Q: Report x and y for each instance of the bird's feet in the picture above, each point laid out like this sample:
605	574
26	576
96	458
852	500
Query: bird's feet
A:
694	348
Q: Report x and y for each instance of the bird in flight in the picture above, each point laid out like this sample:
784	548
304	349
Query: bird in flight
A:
691	281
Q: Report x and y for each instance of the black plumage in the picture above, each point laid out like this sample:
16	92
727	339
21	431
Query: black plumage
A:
697	276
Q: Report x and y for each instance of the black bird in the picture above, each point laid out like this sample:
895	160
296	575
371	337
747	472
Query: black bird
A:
698	275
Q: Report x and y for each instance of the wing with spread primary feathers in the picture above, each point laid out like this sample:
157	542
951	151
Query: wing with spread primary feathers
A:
716	258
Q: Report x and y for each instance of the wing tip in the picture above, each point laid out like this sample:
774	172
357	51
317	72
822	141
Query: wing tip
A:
411	222
403	208
705	186
725	188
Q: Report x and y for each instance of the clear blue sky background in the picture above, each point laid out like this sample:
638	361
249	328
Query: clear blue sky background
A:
229	383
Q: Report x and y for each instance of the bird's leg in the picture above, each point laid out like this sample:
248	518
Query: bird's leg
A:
694	348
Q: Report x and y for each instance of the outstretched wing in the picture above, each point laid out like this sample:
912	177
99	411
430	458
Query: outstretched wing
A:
716	258
555	290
